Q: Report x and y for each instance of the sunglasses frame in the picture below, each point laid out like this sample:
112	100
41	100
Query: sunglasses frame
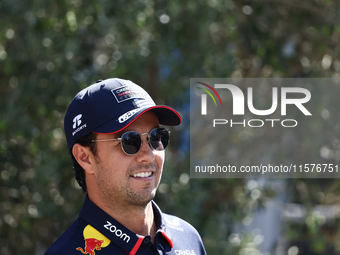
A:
140	135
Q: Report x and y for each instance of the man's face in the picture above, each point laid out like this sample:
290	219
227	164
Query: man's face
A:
129	179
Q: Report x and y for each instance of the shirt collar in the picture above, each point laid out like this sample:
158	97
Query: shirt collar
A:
115	231
160	222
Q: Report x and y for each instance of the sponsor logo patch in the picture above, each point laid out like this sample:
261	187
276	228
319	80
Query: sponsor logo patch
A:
185	252
94	240
127	115
119	233
175	224
76	124
77	121
125	93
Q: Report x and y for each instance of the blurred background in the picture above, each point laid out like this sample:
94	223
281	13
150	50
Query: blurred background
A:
49	50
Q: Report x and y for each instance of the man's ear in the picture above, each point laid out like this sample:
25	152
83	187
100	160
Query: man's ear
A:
84	157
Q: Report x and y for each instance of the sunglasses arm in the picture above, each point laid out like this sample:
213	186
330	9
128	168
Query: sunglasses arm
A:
104	140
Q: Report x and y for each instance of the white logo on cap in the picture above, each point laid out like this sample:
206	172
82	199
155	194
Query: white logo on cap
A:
127	115
77	121
76	124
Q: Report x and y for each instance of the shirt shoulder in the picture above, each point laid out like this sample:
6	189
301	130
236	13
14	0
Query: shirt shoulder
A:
186	239
66	243
177	224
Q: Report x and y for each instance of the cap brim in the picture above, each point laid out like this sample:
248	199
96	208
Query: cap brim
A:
166	116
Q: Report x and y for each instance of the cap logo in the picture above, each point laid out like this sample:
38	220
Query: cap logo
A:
77	121
126	92
127	115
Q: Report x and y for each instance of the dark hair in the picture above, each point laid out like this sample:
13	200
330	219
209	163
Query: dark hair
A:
79	171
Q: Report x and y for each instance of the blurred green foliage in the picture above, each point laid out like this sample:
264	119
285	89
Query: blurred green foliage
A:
49	50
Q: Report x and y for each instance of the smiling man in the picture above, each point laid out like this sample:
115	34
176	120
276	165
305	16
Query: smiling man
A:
117	145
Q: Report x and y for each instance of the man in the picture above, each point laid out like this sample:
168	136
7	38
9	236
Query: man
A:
114	136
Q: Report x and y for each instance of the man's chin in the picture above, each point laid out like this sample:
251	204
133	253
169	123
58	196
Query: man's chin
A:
143	198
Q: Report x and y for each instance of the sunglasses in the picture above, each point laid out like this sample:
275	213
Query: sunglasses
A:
131	141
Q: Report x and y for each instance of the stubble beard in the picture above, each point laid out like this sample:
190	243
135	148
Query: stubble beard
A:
122	194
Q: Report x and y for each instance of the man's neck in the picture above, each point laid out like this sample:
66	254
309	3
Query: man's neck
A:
139	219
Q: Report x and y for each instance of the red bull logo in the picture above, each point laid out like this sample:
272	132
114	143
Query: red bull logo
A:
91	244
94	240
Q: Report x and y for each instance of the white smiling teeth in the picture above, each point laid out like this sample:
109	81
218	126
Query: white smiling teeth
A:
143	174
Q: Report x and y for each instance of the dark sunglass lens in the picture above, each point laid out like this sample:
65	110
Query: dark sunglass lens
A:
131	142
159	138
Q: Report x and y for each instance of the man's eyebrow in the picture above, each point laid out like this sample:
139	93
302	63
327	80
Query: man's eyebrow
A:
118	134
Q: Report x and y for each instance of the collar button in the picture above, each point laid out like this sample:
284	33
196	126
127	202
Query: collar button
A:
147	239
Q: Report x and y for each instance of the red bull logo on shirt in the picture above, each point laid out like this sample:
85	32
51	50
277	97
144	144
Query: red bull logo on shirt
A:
94	240
91	244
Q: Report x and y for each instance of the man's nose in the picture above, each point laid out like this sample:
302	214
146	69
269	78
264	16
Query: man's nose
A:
146	152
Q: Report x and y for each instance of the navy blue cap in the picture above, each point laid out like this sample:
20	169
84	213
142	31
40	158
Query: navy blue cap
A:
110	106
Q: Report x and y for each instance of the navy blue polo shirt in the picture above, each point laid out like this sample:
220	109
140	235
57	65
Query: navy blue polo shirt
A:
97	233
